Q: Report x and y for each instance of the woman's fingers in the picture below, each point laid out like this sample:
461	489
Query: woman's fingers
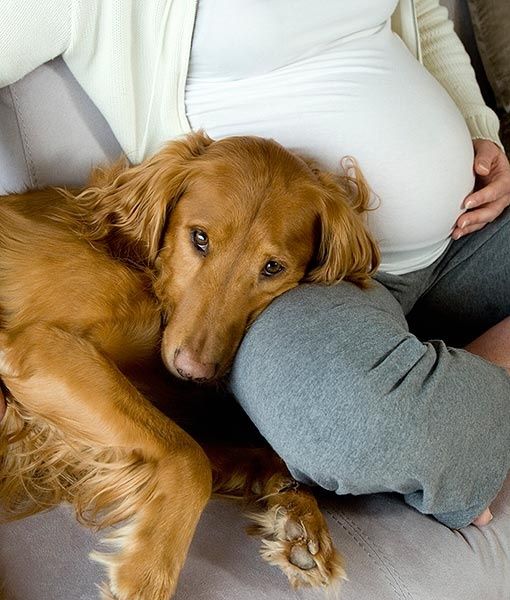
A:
496	190
475	220
492	197
486	153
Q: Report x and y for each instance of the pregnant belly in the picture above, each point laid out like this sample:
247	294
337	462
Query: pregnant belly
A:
370	99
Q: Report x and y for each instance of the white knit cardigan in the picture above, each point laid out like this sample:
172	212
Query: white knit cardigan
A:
131	57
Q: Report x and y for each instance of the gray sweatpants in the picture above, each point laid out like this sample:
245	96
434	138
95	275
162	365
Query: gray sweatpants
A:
367	391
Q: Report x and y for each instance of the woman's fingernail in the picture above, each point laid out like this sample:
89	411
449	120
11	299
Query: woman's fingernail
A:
464	224
483	167
470	204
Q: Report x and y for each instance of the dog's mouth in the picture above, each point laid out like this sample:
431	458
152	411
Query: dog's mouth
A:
198	348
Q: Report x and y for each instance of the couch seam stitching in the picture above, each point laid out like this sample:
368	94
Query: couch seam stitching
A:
377	556
27	153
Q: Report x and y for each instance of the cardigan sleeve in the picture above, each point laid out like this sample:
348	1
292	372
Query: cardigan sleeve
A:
31	33
446	59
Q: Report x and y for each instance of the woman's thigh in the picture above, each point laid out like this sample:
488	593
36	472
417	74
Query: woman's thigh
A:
469	290
355	403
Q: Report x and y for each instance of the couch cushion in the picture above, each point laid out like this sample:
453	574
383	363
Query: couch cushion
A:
51	132
392	553
491	23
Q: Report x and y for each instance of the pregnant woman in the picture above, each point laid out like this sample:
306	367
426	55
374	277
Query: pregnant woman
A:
359	391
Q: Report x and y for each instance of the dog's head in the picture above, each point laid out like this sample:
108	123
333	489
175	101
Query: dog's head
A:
227	226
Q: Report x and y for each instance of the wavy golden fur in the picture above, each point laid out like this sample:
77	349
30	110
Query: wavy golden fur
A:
173	258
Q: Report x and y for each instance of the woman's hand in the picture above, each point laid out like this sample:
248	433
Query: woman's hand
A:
492	195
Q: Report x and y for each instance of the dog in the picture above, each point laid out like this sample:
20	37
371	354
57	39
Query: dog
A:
169	260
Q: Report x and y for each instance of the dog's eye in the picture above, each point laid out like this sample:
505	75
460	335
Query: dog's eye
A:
200	240
271	268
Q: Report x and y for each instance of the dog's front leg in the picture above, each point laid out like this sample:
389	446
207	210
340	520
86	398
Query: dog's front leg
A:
89	433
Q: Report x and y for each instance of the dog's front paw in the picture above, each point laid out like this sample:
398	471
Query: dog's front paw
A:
105	593
295	537
130	588
138	579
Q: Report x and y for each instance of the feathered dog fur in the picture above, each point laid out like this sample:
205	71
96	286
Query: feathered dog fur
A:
173	258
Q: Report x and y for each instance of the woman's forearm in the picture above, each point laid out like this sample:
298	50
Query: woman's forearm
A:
31	33
446	58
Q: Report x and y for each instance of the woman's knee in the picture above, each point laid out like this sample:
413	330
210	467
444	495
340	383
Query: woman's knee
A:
309	375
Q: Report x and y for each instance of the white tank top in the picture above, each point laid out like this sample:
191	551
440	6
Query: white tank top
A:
335	81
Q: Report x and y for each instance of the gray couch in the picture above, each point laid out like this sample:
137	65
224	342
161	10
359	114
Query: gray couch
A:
392	552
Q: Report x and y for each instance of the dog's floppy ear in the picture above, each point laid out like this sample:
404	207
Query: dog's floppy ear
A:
128	205
346	249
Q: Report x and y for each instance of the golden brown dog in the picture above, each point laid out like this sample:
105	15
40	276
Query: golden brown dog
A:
176	256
